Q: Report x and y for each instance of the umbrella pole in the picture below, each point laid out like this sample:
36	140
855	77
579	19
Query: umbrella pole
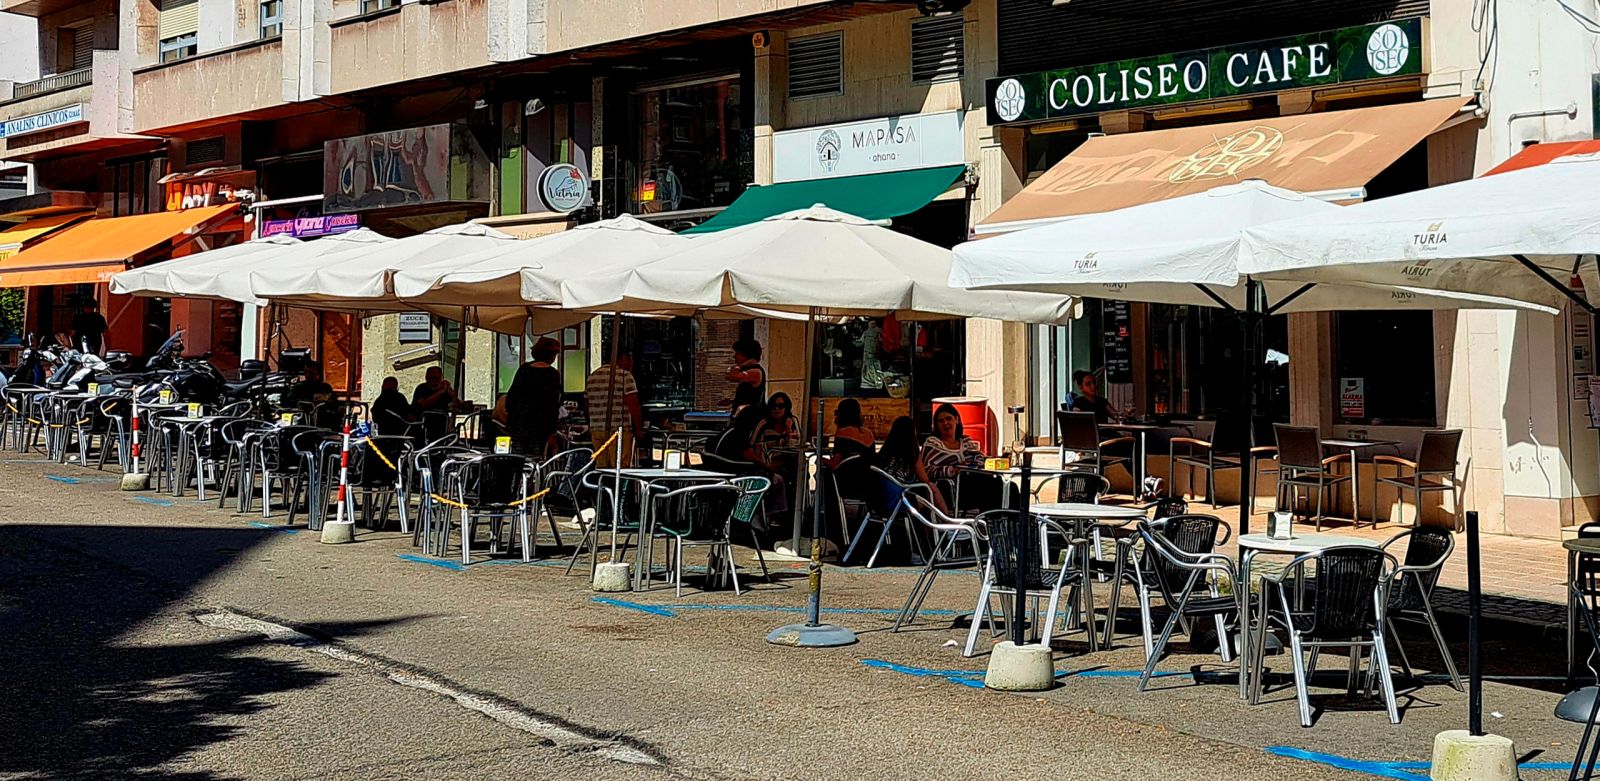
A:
1247	332
813	633
611	405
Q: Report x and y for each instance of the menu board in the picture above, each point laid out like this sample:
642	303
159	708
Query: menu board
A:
1116	340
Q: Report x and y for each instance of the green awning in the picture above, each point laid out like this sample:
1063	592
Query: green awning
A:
868	196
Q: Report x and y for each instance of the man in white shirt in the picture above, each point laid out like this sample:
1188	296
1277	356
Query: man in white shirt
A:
613	400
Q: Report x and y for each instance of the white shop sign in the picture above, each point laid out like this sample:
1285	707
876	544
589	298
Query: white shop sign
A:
871	146
34	123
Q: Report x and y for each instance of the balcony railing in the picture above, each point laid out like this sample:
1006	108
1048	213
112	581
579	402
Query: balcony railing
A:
54	83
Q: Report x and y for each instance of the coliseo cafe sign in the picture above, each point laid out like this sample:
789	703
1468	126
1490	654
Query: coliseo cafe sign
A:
1350	54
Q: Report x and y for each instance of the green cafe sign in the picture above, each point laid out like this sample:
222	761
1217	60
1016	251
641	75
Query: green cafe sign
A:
1350	54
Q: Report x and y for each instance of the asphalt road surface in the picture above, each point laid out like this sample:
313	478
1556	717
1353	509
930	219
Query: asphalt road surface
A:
156	637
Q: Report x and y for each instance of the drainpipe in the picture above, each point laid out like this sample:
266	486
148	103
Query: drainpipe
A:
1571	112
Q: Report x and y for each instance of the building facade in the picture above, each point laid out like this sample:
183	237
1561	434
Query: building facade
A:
406	115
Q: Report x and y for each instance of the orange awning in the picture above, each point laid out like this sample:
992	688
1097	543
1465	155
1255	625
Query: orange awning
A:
12	239
1539	154
94	250
1304	152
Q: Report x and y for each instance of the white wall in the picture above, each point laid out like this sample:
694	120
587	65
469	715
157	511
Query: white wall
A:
19	48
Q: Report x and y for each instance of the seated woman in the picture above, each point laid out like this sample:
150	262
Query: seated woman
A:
901	457
947	456
851	438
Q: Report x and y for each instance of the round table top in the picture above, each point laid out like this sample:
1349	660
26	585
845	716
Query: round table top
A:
1107	512
1582	544
1302	543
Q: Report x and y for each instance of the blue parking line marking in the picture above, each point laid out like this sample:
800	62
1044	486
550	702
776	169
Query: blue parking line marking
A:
652	610
974	678
63	479
668	610
153	500
272	527
453	566
1399	770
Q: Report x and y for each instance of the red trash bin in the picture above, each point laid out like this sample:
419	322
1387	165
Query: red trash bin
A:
975	418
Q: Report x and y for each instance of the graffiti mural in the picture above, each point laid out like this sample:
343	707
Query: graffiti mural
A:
411	167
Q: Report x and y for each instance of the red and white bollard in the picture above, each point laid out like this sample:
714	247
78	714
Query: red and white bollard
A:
135	480
341	529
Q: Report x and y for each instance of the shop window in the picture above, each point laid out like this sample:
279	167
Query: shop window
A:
179	47
874	357
1194	363
694	146
1383	368
937	48
271	19
816	66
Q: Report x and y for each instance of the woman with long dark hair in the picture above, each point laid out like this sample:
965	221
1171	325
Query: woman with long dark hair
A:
901	457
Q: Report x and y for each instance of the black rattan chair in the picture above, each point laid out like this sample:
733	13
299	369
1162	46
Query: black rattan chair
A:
374	477
1179	560
1411	593
1009	548
1080	435
494	487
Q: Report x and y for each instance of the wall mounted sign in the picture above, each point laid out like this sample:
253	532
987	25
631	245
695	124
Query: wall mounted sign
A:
307	227
563	188
412	167
1350	54
33	123
415	327
872	146
208	188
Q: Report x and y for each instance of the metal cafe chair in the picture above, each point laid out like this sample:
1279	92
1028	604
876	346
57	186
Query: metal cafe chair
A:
1301	465
947	533
744	514
886	517
598	490
433	467
563	475
1345	604
1583	706
374	476
237	459
1080	435
1224	450
1411	593
1179	562
995	530
698	515
494	487
1433	470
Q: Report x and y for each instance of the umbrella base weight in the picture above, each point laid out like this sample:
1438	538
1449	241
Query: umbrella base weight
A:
1461	756
137	481
613	576
336	532
1020	668
819	636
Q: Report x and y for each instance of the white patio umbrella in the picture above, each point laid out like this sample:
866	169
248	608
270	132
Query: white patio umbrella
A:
504	286
813	261
361	280
1184	250
156	278
1518	234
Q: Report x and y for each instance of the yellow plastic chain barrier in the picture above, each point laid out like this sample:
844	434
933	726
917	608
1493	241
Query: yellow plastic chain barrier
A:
524	500
603	448
379	454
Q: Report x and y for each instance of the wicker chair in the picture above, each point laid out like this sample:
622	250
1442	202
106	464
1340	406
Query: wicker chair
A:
1434	469
1302	465
1411	593
1180	560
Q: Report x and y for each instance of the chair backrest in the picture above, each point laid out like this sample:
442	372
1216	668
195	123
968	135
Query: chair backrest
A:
1343	605
1014	543
1081	487
1169	507
1438	451
1589	531
376	460
1299	447
754	489
1230	436
1079	431
598	488
278	446
494	480
698	512
1426	546
1189	533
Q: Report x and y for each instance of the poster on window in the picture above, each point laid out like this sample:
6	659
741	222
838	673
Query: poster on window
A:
1582	329
1352	397
1116	341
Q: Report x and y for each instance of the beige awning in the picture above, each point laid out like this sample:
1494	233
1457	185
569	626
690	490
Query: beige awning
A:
1307	153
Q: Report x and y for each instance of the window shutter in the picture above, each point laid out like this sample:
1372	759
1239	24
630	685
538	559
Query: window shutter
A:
816	65
178	17
205	150
83	47
937	48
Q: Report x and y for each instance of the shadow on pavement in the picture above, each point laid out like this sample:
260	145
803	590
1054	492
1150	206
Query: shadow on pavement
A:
82	699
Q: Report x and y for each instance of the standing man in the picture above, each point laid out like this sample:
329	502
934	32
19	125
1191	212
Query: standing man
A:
432	401
88	327
613	400
747	372
533	405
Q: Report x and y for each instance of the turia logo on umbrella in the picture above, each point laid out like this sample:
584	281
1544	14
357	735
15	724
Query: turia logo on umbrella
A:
1432	238
1087	263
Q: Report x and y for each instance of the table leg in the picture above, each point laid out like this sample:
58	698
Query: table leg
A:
1138	482
1355	489
798	511
1572	618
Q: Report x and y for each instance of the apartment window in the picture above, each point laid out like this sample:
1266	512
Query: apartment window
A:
78	41
816	65
374	6
174	49
271	19
937	48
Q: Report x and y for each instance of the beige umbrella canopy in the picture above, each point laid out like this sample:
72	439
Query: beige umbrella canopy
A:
814	260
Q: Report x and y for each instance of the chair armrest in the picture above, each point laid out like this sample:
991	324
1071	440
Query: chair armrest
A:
1396	460
1190	441
1264	449
1116	440
1331	460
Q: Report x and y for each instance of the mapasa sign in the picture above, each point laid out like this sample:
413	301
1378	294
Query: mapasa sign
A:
1351	54
897	143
